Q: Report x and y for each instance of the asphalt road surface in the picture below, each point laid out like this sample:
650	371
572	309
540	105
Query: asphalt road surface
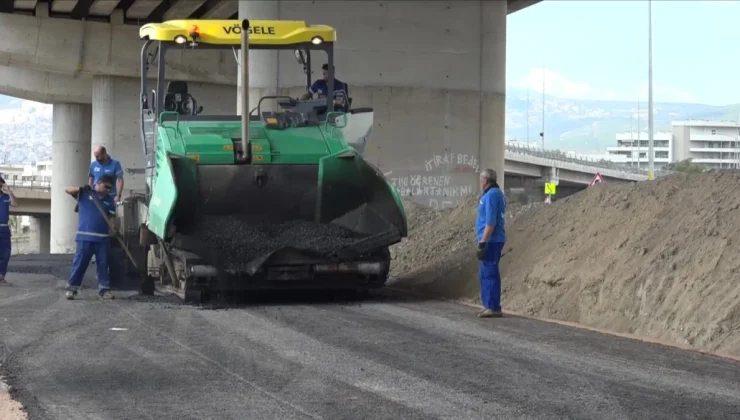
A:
384	358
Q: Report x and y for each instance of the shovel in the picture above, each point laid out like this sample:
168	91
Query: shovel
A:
115	233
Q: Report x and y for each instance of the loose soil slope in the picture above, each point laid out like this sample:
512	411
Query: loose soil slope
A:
10	409
657	259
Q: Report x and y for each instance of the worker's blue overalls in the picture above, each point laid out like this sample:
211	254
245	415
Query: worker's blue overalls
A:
4	234
92	239
491	211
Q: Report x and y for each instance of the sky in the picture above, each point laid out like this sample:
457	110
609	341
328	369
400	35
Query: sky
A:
599	50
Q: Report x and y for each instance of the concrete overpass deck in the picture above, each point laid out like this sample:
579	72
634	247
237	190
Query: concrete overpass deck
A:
34	196
83	56
138	12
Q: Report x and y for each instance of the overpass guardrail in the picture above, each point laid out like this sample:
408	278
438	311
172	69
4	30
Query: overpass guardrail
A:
43	183
564	157
30	182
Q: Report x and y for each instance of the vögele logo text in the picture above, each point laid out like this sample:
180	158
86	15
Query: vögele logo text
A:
256	30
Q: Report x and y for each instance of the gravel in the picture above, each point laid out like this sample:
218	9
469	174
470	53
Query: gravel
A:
230	243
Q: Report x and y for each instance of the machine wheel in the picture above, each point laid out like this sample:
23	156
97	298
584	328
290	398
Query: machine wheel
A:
147	286
193	295
386	254
362	294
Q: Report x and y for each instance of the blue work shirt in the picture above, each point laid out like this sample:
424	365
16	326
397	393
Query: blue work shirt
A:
4	212
112	168
491	211
92	226
321	87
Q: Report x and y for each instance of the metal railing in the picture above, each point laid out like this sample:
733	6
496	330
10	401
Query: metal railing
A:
563	157
35	182
43	183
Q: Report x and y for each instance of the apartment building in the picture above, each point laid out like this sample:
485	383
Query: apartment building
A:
632	149
713	144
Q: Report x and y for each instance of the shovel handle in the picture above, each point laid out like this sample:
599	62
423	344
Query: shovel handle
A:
112	227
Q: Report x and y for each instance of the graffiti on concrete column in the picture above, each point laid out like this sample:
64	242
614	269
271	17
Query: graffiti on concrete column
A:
448	179
461	162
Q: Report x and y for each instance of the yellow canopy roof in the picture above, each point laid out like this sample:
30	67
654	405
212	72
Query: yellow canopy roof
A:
228	32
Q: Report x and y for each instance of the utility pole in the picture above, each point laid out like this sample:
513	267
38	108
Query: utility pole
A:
651	161
638	131
527	116
543	107
632	143
737	135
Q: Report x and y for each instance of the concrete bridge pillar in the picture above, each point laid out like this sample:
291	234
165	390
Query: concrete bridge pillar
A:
40	234
115	120
263	65
115	125
70	154
493	86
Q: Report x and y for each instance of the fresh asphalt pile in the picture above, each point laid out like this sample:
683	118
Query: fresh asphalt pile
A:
231	244
57	265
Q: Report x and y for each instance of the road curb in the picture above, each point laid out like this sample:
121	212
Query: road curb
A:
634	337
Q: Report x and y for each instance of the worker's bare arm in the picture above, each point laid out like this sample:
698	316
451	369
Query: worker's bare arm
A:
75	191
487	233
13	200
119	188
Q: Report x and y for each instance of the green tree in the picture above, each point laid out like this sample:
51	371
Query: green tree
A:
685	166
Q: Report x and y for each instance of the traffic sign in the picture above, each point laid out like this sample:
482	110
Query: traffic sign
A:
550	188
596	180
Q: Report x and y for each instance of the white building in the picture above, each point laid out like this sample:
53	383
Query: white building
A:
713	144
632	149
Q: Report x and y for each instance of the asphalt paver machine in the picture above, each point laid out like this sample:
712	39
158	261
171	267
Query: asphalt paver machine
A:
278	197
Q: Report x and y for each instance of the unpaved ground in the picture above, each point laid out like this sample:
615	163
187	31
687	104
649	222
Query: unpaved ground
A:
657	259
9	409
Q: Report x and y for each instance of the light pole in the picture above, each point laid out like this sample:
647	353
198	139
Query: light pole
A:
651	152
542	134
638	131
527	116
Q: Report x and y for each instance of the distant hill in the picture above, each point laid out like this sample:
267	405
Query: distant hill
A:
570	125
25	131
590	126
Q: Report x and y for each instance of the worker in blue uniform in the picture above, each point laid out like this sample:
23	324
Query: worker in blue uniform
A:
104	164
92	234
491	235
7	200
320	87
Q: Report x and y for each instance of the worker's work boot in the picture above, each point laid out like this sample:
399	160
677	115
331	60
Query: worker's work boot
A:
4	282
107	295
70	294
490	313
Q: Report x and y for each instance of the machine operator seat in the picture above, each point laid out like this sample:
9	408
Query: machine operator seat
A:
179	100
343	92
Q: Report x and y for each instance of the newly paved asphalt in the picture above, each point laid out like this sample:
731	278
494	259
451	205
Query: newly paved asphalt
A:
381	359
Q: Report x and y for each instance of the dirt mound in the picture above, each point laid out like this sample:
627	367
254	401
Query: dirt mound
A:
655	259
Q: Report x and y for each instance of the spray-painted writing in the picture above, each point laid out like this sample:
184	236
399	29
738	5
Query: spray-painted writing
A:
443	204
429	186
460	162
